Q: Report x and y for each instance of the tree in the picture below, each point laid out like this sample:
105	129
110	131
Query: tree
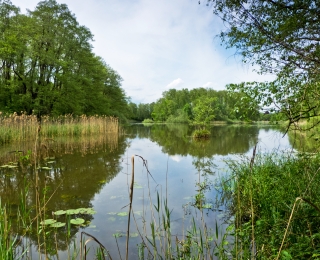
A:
283	38
203	110
47	65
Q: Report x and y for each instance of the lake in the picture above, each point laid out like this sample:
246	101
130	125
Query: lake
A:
96	173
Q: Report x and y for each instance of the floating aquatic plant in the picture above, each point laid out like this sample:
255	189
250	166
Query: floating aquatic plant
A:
49	221
77	221
58	224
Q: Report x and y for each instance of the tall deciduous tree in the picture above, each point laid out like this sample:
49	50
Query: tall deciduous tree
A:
283	38
48	67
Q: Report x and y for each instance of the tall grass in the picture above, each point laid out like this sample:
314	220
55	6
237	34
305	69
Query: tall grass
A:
275	201
23	127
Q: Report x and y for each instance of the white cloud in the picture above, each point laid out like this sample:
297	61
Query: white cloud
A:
207	84
176	158
175	83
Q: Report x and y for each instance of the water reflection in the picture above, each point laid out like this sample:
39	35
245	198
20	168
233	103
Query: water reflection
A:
94	173
176	139
305	141
69	179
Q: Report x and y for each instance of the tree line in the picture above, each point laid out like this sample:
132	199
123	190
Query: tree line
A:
199	105
47	65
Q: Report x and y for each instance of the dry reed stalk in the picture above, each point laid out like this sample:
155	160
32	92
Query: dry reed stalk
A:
298	199
130	207
91	238
251	201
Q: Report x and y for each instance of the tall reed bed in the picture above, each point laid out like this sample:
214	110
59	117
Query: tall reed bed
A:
23	127
275	199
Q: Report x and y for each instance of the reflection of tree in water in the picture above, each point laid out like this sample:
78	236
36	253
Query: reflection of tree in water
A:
176	139
305	141
72	181
204	165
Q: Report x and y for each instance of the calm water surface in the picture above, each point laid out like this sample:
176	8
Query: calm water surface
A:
96	173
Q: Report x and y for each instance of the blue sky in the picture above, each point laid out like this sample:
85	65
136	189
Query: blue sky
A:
158	45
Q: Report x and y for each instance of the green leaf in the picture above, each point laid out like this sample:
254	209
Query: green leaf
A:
58	224
77	221
123	214
91	211
60	212
48	222
118	234
72	211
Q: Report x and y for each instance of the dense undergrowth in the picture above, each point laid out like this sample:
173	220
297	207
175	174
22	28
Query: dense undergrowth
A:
275	200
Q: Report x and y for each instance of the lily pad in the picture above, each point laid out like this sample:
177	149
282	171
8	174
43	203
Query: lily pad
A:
122	214
72	211
48	221
112	219
91	211
58	224
60	212
112	213
82	210
134	234
77	221
119	234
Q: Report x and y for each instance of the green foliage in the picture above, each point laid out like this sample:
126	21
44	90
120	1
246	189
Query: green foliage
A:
201	133
140	112
282	38
147	121
48	66
266	194
203	110
202	106
7	241
180	117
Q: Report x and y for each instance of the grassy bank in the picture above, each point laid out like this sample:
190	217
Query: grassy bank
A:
275	200
24	127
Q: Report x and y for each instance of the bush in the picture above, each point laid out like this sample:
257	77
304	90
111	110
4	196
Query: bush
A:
182	117
201	134
147	121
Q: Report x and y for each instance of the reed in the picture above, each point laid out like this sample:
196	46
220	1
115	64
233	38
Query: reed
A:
158	241
275	200
17	128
